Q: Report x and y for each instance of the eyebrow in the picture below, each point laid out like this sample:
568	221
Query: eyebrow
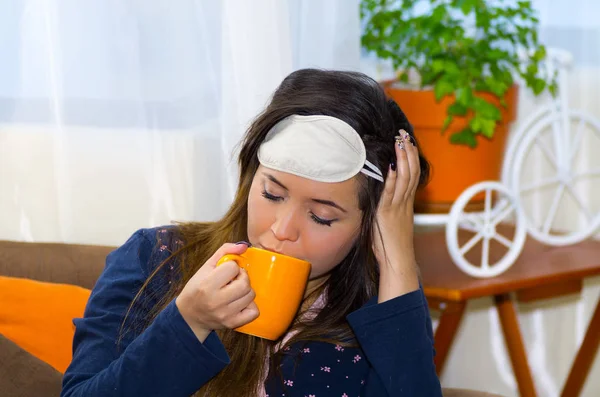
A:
320	201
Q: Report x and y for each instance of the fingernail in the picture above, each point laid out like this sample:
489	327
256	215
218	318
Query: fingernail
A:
393	166
243	242
401	138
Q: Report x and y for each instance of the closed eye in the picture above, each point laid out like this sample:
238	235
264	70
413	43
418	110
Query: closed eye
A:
316	219
271	197
321	221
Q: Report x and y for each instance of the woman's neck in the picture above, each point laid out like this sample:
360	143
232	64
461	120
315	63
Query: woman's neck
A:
313	285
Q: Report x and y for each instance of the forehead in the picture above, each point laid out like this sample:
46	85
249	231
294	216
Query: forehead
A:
344	193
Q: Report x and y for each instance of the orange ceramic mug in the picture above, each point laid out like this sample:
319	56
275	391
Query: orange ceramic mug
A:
279	282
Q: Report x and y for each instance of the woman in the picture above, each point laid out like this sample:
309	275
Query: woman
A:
328	173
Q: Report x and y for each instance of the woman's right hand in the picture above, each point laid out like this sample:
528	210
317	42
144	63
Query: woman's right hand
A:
218	297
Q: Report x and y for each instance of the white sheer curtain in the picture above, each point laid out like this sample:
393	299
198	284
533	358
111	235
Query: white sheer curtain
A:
122	114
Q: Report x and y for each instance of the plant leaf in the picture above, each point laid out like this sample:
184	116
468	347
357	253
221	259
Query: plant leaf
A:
443	88
467	6
488	127
457	109
464	137
486	109
447	122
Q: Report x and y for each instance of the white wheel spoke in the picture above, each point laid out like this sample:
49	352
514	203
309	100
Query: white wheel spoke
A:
471	243
488	206
570	190
485	253
595	128
576	141
558	143
553	208
499	207
539	184
546	152
476	220
500	217
471	222
592	173
469	227
503	240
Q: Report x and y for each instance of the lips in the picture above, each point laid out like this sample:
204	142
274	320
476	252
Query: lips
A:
280	252
270	249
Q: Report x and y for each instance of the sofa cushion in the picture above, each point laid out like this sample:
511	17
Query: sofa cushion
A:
38	316
23	375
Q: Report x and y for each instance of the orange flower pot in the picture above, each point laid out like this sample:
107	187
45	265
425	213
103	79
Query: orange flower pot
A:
453	167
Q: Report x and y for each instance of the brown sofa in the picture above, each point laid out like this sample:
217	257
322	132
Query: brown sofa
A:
23	375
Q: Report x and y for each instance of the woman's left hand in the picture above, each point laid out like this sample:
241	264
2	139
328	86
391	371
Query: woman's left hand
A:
393	240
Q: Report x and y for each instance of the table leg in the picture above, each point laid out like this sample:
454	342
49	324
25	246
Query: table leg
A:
585	357
514	343
445	332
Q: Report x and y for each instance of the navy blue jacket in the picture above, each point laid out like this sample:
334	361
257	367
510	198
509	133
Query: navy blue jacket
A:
395	357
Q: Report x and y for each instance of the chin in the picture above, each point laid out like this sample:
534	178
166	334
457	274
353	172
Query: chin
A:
318	276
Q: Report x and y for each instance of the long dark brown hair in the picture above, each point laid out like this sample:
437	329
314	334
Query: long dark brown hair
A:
359	101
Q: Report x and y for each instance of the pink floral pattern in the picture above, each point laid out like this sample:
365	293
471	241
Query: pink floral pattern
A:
341	372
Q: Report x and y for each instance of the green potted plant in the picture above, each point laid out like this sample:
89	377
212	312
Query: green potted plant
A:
457	62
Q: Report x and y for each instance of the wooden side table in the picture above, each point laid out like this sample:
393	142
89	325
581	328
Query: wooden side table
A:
540	272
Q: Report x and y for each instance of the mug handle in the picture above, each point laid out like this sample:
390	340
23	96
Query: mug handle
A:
231	258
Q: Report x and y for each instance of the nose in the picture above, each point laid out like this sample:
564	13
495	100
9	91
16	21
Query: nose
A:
285	226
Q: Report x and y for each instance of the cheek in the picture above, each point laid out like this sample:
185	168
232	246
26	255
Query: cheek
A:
258	218
329	249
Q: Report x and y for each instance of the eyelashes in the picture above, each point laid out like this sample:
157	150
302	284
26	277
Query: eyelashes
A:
316	219
320	221
270	197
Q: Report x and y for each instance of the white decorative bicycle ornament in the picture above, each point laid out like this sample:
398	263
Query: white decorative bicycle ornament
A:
555	133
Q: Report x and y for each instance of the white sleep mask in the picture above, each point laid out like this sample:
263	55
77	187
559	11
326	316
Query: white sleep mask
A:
320	148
